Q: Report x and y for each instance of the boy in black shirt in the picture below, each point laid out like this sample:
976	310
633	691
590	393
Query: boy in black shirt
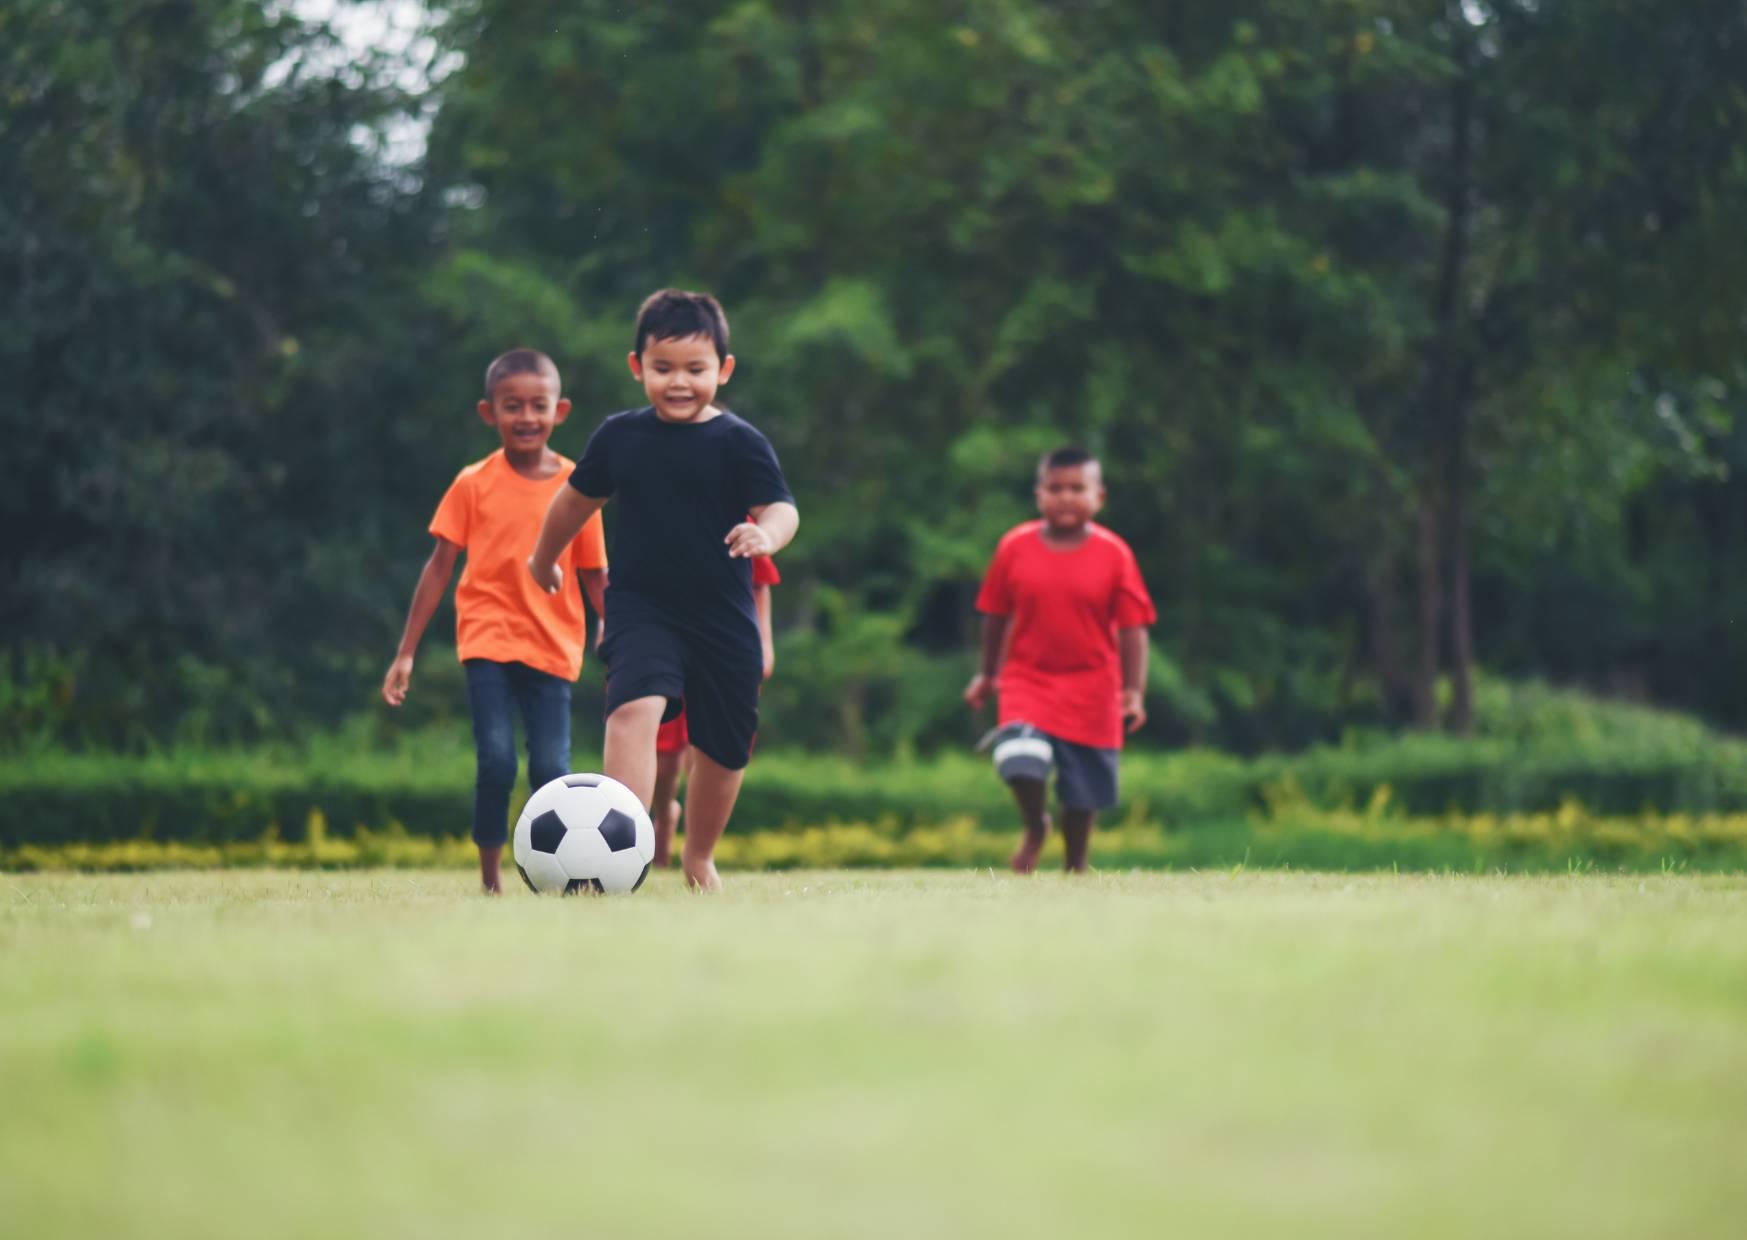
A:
681	629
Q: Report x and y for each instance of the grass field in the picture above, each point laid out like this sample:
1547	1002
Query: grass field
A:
879	1054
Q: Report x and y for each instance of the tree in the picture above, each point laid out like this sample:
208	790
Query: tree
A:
191	235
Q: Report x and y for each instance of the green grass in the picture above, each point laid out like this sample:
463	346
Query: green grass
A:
824	1054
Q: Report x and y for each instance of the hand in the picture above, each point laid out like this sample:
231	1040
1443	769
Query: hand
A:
976	694
769	661
747	540
394	684
600	634
1133	710
551	581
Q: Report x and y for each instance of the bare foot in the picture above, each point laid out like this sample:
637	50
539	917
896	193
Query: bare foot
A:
489	860
1024	858
702	876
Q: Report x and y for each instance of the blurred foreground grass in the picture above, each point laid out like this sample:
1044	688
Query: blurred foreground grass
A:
831	1054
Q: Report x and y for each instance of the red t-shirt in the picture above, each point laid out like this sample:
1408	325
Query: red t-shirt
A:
1063	671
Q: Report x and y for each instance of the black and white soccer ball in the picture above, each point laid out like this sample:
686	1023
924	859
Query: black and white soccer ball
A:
584	833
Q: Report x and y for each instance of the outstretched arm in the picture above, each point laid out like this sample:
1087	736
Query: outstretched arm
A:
433	582
1132	644
770	530
994	646
565	516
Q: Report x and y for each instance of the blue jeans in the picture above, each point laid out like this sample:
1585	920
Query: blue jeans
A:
494	692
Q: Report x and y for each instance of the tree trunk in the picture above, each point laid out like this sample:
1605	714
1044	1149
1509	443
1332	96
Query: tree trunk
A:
1392	680
1451	376
1461	616
852	721
1431	615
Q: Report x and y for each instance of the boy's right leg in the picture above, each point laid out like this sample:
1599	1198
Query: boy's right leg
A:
668	765
1032	796
492	704
629	754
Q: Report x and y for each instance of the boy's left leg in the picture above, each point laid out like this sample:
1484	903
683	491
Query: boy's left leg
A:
1076	839
721	706
544	702
710	796
1085	784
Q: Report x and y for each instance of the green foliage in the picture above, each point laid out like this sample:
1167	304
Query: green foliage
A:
199	249
1299	837
1212	241
1561	749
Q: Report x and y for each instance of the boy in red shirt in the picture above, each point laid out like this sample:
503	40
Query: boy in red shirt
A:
1065	645
673	742
521	646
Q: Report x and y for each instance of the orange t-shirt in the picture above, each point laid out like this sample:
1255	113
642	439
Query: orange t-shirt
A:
495	514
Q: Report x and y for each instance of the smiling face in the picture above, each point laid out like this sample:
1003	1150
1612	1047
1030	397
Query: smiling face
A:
523	409
1069	496
680	375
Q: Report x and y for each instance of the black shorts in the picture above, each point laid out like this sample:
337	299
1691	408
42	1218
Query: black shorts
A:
713	675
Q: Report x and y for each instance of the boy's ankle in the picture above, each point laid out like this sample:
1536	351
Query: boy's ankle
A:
1025	858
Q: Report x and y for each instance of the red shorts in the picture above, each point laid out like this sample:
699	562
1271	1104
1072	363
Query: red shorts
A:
672	737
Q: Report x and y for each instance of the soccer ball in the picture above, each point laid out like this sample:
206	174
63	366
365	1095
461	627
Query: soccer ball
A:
584	833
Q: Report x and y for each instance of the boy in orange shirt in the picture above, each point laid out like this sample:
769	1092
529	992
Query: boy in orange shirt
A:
521	646
1065	617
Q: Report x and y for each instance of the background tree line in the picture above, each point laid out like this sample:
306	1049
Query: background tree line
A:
1411	332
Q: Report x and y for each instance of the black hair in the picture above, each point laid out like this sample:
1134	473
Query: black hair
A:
518	362
674	314
1064	458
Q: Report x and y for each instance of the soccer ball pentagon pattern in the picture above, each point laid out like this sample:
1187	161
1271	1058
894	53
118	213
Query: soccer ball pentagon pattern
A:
584	833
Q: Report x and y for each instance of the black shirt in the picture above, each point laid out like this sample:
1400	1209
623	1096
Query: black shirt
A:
680	487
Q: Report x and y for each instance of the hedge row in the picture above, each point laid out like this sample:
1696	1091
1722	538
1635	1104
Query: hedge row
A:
59	798
1565	840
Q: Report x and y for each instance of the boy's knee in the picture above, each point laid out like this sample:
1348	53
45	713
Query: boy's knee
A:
497	766
639	715
640	709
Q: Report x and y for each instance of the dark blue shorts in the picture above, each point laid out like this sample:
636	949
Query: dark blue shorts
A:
1085	776
713	675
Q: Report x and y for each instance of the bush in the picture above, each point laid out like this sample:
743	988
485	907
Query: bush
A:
423	786
1294	837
